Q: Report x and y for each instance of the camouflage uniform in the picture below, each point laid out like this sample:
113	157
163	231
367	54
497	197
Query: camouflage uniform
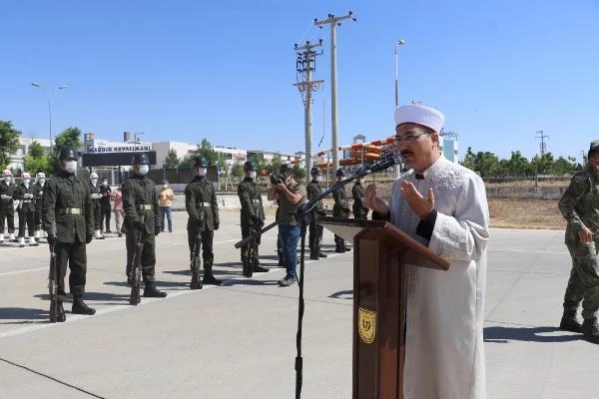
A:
315	230
580	207
358	207
340	210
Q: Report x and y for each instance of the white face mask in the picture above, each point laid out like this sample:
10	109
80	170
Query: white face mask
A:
252	175
70	166
7	180
42	182
26	182
144	169
318	178
94	182
105	183
202	171
165	186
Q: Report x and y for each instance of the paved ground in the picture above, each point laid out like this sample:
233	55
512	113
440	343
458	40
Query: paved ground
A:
238	341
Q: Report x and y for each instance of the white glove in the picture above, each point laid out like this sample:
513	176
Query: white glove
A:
4	196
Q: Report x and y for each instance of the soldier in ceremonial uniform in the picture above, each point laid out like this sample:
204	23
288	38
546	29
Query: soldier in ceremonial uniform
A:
68	220
252	219
96	196
201	206
358	207
315	230
140	202
39	193
26	194
7	210
340	210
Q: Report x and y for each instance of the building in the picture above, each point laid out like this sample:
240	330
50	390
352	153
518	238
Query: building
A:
231	155
17	160
162	149
449	146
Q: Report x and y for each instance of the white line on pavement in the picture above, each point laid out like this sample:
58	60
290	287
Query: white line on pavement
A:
527	251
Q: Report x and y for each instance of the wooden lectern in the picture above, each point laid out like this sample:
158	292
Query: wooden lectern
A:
380	252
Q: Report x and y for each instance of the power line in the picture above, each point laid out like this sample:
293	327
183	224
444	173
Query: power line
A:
543	146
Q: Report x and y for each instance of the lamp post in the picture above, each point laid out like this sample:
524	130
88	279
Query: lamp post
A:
397	45
49	90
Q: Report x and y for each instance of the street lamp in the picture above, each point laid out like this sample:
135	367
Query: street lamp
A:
49	90
397	45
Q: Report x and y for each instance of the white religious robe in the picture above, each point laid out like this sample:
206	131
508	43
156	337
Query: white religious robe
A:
444	357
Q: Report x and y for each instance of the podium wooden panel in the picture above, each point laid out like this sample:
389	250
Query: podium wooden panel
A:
380	252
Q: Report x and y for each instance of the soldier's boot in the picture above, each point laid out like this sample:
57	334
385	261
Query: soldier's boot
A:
322	255
209	277
1	238
152	292
33	242
21	242
60	315
257	268
569	322
80	307
11	237
99	235
247	269
590	329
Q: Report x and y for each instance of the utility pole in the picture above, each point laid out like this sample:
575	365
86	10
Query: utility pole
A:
334	21
306	64
543	146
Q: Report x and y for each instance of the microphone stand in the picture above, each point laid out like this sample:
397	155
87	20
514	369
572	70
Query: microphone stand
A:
303	213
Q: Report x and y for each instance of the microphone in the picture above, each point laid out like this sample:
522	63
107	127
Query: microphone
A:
387	160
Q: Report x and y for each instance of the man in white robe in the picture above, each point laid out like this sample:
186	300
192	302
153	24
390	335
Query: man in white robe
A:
442	205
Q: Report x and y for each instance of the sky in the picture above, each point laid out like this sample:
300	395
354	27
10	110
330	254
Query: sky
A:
500	71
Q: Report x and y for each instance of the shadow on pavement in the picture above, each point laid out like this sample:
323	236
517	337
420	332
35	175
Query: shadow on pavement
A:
345	294
24	315
530	334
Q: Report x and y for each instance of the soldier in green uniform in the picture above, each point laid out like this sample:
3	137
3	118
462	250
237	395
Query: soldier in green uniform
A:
26	194
315	230
340	210
358	207
39	194
252	219
140	202
96	203
68	220
201	206
580	207
7	210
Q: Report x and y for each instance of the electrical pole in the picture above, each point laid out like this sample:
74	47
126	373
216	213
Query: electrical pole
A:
333	21
543	146
306	64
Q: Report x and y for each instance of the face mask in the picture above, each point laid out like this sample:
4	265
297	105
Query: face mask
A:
42	182
94	182
253	175
318	178
202	171
105	183
144	169
7	180
70	166
165	186
26	182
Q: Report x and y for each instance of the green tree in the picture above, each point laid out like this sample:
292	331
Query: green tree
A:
469	159
172	160
36	150
9	142
275	165
259	163
206	150
300	172
518	165
563	166
37	159
237	170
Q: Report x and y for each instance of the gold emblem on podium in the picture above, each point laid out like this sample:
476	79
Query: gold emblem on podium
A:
367	325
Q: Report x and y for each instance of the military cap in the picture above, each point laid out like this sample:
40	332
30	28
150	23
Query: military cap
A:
594	145
140	158
249	166
315	171
200	161
67	153
340	173
285	168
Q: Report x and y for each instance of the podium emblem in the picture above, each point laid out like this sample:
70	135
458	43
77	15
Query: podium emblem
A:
367	325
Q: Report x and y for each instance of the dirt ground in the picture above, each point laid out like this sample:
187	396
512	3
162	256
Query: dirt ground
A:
525	214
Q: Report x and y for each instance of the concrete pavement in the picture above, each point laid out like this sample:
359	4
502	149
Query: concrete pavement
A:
238	340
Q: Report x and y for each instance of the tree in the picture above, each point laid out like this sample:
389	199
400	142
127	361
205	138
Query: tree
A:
300	172
237	170
563	166
206	150
275	165
9	142
37	159
518	165
70	137
36	150
172	160
259	164
469	158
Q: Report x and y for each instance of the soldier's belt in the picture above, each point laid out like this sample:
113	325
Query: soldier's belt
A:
256	201
26	201
72	211
205	204
144	207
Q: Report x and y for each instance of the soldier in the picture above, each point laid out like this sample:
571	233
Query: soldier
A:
340	210
68	220
252	219
26	194
139	200
201	206
315	230
105	210
7	210
39	193
580	207
358	207
96	198
280	253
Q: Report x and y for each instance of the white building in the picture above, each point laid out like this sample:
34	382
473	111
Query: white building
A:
232	155
449	146
162	149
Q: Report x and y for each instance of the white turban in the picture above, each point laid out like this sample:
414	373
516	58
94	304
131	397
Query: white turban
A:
421	115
